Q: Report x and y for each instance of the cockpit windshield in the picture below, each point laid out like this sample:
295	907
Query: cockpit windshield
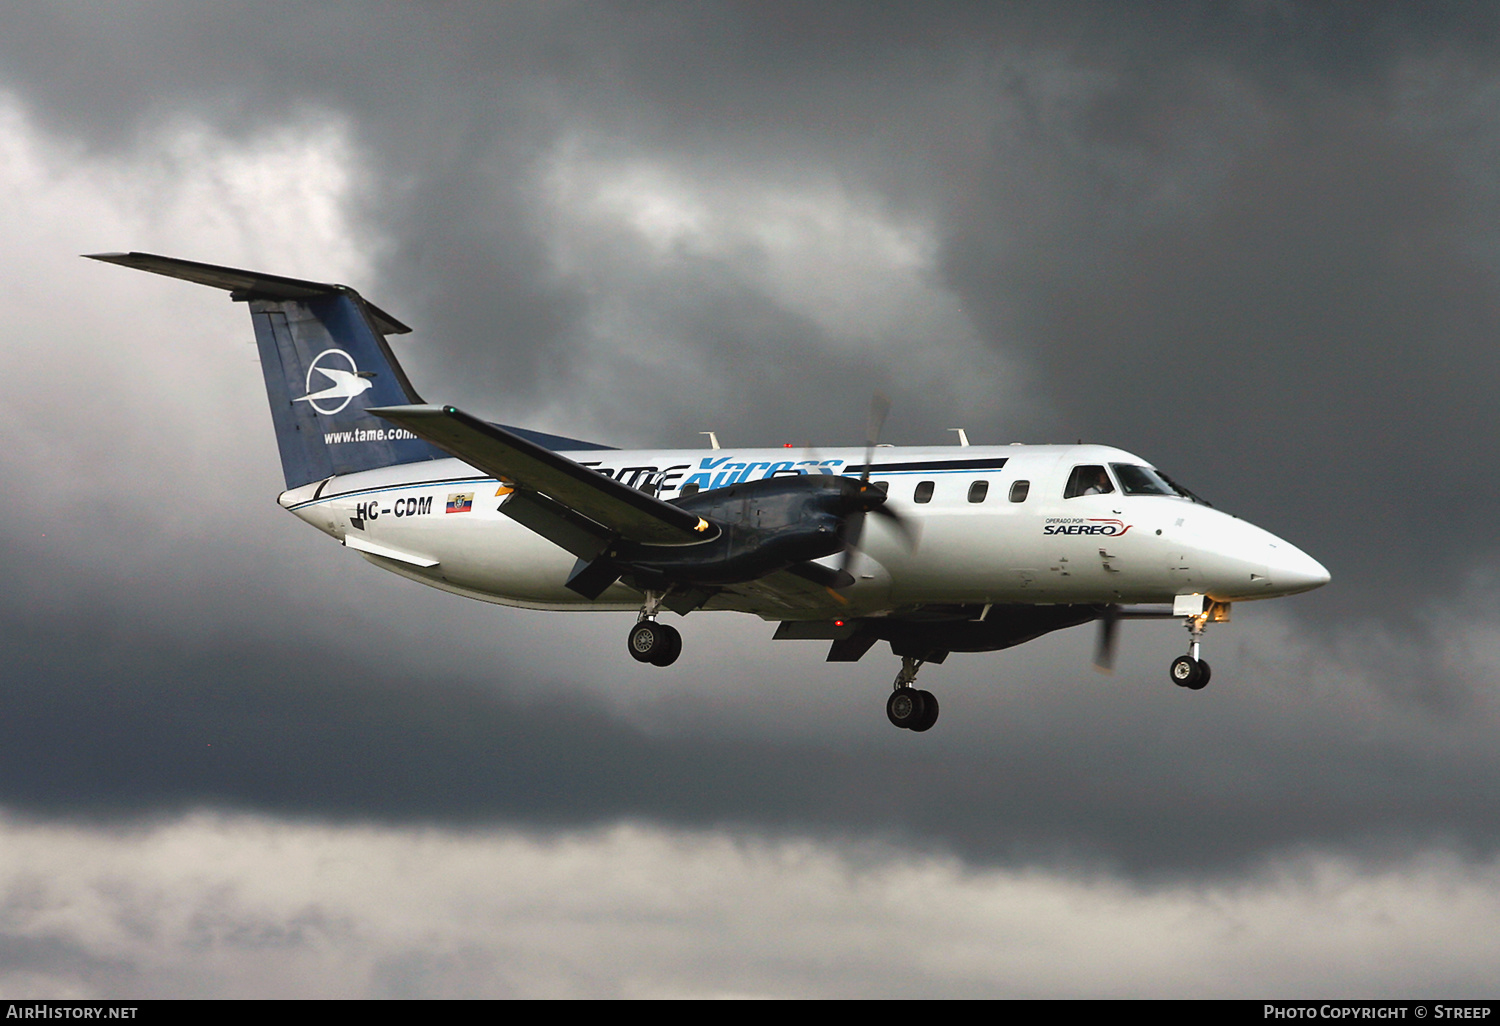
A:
1141	480
1136	480
1185	493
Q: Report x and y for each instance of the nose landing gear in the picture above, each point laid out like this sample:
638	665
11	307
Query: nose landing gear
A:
1189	671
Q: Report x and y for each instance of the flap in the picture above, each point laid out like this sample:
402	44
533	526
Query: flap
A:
781	593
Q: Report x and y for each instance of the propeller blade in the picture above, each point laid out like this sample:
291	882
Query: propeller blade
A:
853	530
903	526
879	407
1104	647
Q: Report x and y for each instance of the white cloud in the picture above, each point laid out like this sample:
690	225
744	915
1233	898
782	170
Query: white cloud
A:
121	367
241	907
126	385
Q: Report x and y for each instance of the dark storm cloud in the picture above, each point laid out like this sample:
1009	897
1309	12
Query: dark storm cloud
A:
1034	135
1225	237
1312	333
111	719
1318	347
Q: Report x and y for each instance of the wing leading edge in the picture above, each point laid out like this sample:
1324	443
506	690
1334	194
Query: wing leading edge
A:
564	501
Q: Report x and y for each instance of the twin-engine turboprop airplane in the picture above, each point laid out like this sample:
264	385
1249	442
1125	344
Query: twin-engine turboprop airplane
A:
931	549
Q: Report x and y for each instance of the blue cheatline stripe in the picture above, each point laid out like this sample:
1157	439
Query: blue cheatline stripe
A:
887	470
931	466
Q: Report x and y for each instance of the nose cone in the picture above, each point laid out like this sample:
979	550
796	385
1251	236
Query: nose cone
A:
1239	561
1293	570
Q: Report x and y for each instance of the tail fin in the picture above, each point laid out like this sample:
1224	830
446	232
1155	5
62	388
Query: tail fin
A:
326	361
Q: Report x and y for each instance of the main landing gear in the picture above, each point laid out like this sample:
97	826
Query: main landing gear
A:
908	707
653	642
1189	671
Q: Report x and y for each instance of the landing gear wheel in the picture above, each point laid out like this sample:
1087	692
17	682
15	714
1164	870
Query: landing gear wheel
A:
670	647
907	707
645	640
655	643
1207	674
1190	673
929	712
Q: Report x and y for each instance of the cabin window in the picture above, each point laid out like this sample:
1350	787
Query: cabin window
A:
688	489
1089	480
1019	490
924	491
884	486
978	490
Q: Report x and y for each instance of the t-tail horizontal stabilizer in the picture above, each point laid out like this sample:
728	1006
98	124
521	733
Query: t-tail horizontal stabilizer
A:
245	285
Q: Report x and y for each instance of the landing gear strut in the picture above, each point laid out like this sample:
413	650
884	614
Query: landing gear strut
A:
653	642
908	707
1189	671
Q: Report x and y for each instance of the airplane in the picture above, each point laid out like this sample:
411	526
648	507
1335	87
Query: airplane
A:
931	549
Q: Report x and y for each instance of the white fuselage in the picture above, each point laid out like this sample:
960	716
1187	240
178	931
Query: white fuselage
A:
438	522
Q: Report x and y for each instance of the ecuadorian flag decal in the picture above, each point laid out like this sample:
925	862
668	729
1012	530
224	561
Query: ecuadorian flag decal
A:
462	502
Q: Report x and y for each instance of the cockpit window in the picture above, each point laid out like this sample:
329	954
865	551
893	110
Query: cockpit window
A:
1087	481
1140	480
1185	493
1135	480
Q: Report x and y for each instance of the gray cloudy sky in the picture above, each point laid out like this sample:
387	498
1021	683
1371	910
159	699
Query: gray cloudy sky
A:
1257	243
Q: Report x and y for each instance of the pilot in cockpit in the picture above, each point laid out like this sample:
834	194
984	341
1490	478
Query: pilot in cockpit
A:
1099	485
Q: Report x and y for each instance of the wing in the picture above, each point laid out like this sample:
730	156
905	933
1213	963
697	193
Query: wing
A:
567	503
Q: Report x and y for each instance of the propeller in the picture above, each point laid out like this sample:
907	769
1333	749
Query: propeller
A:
1104	645
854	524
866	498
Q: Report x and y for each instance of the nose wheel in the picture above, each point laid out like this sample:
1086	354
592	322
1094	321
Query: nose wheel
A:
1189	671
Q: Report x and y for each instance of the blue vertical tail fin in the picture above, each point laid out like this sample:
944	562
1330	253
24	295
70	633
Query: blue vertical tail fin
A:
326	362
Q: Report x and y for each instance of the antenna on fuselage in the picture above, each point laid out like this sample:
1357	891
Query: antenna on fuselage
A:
963	436
713	439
